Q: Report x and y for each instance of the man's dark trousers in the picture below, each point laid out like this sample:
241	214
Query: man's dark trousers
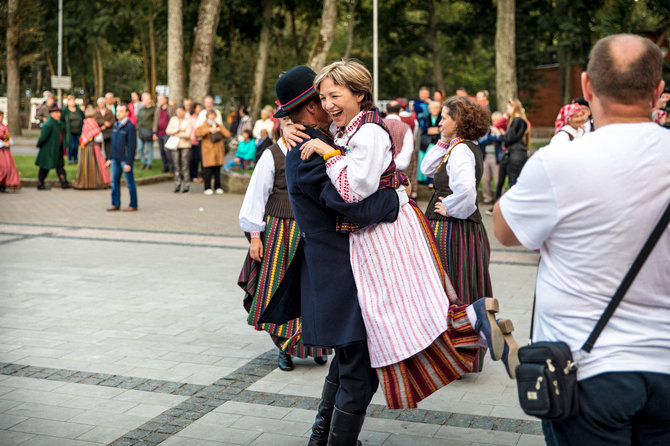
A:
60	170
620	409
351	370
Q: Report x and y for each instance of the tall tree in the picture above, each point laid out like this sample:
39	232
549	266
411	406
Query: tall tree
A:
175	69
506	87
350	28
262	59
435	43
317	58
203	49
13	83
152	48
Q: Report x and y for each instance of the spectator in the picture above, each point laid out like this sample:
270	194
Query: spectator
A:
162	115
44	111
439	96
262	143
662	104
516	140
421	108
462	92
194	164
246	152
50	156
409	118
122	158
105	119
212	134
180	127
244	122
208	104
133	107
111	102
589	206
401	135
187	103
482	98
73	120
568	124
145	123
492	153
9	176
588	120
264	123
429	137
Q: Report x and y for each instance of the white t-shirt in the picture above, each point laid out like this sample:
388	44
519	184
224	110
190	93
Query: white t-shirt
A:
589	205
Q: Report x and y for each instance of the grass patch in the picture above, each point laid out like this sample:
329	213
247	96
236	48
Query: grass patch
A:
25	164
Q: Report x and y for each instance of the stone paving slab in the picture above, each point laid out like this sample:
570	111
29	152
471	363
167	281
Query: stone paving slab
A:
119	330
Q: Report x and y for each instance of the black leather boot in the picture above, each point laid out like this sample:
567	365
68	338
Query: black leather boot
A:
285	361
344	428
324	413
64	184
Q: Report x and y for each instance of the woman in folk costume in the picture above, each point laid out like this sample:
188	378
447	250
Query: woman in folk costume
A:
267	217
569	122
420	336
456	164
9	176
91	170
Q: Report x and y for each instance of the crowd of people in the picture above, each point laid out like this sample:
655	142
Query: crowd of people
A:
341	259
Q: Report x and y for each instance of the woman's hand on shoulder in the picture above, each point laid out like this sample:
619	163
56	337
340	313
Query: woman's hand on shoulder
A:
315	146
293	134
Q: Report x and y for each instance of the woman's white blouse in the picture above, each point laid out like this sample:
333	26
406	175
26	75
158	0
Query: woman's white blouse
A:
462	181
252	212
356	175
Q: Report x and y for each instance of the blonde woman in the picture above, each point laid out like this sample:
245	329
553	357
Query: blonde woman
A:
413	317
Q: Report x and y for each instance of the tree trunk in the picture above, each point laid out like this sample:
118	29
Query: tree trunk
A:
435	42
13	81
100	86
261	60
68	67
175	70
351	25
152	46
145	64
506	88
319	54
203	49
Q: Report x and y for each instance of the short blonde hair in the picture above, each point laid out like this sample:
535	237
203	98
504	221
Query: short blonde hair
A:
351	74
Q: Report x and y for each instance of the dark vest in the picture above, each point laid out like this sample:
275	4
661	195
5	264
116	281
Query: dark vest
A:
278	204
442	185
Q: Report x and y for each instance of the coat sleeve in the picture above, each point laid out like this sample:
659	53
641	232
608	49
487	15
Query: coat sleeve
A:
514	133
45	134
132	144
202	131
313	181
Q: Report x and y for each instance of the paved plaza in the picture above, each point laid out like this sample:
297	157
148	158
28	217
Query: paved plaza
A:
128	329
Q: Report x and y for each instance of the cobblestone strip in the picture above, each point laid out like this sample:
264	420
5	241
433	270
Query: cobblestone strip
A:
233	387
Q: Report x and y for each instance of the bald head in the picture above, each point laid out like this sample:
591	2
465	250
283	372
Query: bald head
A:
625	68
393	107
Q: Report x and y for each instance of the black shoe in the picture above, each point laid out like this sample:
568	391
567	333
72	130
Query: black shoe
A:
184	190
324	413
285	361
177	189
66	185
321	360
43	186
344	428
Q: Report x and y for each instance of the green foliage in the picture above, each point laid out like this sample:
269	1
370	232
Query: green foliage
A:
547	32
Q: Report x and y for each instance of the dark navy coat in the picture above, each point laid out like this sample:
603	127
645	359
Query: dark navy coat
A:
319	285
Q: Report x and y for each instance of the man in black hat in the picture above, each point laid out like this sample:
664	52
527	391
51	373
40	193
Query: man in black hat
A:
50	144
323	280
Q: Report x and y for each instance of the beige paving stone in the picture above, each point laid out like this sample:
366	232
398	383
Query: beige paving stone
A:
399	427
100	404
256	410
206	431
103	435
62	429
46	440
158	399
406	440
531	440
275	439
107	419
8	420
89	390
20	382
177	440
36	396
36	410
257	423
451	433
12	438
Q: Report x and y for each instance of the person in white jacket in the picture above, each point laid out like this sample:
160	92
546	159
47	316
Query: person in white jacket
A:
179	129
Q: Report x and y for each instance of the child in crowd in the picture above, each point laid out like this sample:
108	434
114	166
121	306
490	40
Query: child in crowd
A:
246	152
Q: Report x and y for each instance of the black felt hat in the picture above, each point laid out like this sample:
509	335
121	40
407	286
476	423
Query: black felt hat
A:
294	88
54	108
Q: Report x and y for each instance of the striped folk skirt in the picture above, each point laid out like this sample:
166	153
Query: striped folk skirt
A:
465	253
91	170
449	357
260	280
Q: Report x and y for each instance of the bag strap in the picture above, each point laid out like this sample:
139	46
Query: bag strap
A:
628	279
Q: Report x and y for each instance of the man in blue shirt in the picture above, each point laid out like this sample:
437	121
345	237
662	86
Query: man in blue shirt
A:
122	156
